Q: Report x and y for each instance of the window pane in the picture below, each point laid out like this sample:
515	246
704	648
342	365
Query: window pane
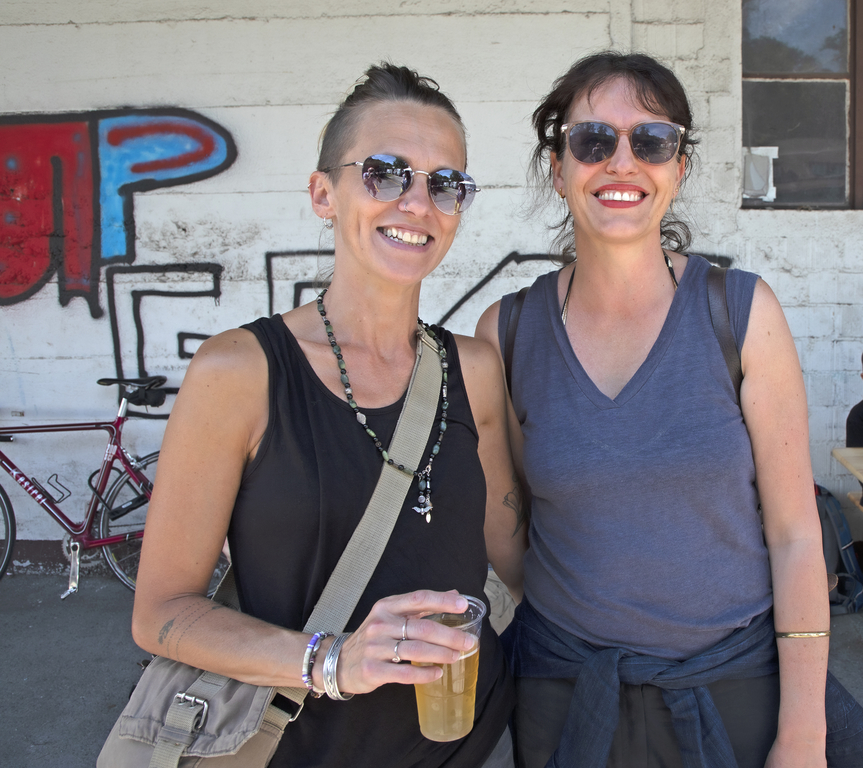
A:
795	36
807	122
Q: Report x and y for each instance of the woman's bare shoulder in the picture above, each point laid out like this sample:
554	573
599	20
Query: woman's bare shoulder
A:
229	376
475	351
231	358
483	375
486	327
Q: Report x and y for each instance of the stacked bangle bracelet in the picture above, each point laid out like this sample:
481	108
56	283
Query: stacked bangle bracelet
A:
331	686
309	660
802	634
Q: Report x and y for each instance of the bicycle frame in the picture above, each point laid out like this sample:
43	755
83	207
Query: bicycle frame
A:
114	452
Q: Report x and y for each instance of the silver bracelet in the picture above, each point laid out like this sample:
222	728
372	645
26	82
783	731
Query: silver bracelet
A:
330	662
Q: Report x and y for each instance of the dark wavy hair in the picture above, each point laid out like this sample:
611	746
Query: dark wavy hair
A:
656	90
380	83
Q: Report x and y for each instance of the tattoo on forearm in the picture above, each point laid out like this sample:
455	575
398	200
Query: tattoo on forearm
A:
163	633
515	501
174	630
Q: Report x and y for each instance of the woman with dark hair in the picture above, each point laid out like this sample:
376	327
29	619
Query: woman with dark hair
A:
651	595
278	437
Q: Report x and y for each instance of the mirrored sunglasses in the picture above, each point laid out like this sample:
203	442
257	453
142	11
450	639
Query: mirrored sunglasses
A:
655	143
387	178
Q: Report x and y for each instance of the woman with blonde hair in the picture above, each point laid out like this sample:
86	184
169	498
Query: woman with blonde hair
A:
278	437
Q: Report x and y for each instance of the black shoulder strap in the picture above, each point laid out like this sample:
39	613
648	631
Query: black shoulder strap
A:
718	303
509	339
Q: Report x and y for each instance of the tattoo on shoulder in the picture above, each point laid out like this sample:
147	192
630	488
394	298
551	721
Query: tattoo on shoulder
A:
515	501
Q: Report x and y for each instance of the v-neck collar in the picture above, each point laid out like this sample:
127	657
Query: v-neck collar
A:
646	369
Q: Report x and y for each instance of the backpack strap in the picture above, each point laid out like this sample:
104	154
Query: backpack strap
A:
718	303
509	337
719	317
850	596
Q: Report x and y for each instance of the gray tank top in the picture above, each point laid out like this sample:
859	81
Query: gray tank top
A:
645	532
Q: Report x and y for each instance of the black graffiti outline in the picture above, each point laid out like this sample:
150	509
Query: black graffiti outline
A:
215	270
514	257
299	285
207	268
182	338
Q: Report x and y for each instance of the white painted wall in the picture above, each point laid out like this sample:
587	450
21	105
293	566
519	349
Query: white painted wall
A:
270	72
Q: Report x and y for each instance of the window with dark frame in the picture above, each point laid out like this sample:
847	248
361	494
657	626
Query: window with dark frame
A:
802	104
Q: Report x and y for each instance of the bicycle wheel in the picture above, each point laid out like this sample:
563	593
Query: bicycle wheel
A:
126	514
7	532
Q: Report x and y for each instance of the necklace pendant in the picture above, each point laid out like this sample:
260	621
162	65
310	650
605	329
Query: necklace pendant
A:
424	505
425	508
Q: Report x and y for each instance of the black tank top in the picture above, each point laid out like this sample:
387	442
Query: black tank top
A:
299	502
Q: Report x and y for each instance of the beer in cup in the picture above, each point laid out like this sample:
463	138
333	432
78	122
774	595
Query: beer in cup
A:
446	706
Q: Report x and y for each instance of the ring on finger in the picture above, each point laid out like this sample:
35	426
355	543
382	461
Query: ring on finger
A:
405	629
396	657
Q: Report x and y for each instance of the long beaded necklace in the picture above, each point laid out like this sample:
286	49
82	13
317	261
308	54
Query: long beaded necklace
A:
424	475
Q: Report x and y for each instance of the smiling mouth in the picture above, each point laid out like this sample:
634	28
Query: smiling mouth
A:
615	195
407	238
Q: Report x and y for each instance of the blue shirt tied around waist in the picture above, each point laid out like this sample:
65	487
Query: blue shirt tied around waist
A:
540	649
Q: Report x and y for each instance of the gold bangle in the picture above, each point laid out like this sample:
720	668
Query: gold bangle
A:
802	634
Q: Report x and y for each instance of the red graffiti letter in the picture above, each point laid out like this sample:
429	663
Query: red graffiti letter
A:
46	208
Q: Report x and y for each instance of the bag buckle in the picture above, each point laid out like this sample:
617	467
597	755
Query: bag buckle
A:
289	707
184	698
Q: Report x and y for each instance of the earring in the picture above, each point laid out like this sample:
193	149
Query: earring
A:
562	194
676	191
328	223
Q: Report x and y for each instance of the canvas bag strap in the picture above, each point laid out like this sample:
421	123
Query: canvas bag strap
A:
364	550
354	569
360	558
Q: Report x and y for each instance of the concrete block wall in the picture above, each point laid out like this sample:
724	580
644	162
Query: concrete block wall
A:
268	73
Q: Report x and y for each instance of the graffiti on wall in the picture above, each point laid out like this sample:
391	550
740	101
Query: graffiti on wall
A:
67	185
298	296
130	289
66	190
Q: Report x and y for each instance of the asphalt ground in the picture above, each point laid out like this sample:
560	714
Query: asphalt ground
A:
70	665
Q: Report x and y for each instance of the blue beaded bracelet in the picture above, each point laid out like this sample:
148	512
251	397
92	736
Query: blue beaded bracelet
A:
309	660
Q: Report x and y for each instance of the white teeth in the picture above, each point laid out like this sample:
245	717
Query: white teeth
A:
411	238
618	196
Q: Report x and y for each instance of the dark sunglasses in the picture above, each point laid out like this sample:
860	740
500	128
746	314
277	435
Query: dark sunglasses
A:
387	178
593	142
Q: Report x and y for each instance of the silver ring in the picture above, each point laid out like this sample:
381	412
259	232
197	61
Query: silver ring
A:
396	657
405	629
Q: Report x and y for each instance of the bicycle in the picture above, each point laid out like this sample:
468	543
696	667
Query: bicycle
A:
121	489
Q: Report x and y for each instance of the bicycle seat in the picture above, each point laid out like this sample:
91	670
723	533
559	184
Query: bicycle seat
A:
148	382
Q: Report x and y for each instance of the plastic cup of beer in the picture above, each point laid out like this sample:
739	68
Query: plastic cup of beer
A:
446	706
